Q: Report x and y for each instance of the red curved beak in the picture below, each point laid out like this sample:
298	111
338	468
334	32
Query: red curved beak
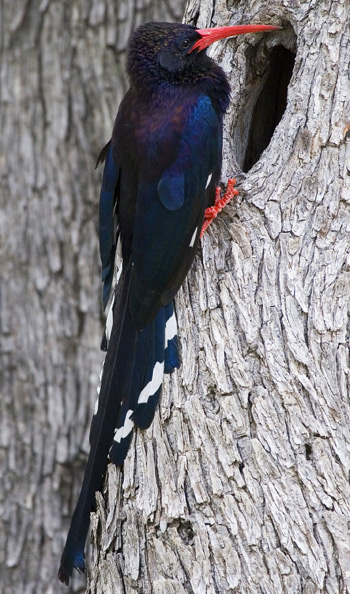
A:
208	36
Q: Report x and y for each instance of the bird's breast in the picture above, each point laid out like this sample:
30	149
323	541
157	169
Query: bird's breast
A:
159	133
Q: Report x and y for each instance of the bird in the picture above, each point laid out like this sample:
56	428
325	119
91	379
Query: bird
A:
159	193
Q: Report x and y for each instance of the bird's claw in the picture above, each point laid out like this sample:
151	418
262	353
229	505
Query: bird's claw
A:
220	202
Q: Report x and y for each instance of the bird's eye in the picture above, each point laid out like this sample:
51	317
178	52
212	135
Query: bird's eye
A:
185	43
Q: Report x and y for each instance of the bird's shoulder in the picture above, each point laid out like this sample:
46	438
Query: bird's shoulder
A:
166	114
152	131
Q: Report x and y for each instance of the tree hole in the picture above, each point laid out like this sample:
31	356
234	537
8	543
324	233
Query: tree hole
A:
308	451
186	532
271	70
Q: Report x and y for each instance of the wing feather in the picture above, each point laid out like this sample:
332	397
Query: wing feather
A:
107	221
169	210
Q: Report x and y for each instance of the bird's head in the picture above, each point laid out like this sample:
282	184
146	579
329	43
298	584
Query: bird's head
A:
170	50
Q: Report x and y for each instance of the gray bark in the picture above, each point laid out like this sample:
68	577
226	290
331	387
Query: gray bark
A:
61	78
242	482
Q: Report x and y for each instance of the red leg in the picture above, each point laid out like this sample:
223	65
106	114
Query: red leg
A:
220	203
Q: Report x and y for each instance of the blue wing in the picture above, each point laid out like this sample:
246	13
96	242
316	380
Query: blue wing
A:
107	220
170	212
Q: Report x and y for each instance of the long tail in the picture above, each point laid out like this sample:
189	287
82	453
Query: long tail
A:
130	388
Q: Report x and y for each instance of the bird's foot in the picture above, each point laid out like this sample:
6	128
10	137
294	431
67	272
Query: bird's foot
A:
220	202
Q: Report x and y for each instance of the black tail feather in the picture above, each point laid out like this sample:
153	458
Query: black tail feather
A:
101	437
130	390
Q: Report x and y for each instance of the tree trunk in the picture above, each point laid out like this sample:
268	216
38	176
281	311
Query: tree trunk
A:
61	78
242	482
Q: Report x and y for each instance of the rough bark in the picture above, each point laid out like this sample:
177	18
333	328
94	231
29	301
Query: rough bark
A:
61	78
242	482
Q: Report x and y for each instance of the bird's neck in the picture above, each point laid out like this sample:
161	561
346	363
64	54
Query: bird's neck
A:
159	91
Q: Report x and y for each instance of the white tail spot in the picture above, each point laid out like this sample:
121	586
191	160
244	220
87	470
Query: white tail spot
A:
109	321
154	384
124	431
118	259
193	238
170	329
